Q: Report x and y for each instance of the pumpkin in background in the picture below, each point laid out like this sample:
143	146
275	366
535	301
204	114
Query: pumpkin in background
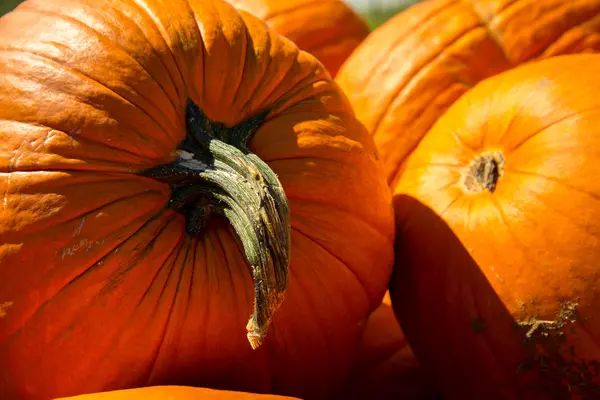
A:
328	29
413	67
127	132
497	282
174	393
386	367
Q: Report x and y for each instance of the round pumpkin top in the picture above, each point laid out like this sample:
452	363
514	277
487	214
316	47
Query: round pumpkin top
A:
328	29
102	285
406	74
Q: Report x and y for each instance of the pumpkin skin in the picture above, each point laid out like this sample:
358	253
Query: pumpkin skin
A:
101	287
328	29
404	76
497	283
386	367
174	393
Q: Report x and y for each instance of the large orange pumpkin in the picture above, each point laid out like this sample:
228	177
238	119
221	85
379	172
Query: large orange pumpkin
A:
174	393
128	130
497	285
412	68
328	29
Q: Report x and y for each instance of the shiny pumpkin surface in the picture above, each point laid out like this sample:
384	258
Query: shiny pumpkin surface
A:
497	286
405	75
101	287
328	29
174	393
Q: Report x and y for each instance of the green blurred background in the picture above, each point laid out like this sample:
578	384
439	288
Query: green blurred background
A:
375	11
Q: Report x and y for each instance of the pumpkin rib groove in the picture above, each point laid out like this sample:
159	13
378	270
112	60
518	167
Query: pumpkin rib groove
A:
114	44
555	180
261	80
511	231
340	262
419	71
143	251
105	40
565	118
399	38
244	59
492	33
157	57
152	364
160	28
84	271
178	86
80	138
86	77
395	175
556	210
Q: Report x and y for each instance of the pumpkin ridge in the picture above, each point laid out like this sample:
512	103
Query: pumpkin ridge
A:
102	38
419	70
370	75
492	33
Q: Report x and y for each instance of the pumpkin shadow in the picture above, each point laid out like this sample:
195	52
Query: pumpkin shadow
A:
458	326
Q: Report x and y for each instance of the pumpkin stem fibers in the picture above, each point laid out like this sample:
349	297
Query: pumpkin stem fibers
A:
216	174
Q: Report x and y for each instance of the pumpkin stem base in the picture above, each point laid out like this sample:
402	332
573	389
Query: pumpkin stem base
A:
484	172
215	174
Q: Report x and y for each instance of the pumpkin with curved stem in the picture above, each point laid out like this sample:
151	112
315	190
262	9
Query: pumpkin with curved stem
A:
168	170
497	282
328	29
404	76
174	393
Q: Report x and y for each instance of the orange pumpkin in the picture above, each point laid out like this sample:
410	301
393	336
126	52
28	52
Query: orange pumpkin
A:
386	367
497	283
412	68
174	393
328	29
167	170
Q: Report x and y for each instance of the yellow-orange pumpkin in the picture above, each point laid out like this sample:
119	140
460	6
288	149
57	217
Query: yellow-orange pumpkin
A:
328	29
412	68
174	393
497	283
124	127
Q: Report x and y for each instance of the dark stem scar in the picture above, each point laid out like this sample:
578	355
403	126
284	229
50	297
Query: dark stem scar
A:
215	174
484	172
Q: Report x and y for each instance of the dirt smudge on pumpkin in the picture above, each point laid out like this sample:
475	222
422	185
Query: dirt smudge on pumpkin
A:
4	308
562	372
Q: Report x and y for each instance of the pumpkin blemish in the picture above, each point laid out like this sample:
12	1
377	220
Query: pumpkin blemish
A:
215	174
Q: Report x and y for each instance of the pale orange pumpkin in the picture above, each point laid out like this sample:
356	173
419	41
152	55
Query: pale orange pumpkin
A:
328	29
497	282
128	130
403	77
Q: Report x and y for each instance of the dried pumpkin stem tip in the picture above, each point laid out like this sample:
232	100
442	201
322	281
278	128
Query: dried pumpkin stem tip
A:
216	174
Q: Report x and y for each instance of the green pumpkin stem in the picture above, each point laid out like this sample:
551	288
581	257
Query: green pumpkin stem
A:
216	174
